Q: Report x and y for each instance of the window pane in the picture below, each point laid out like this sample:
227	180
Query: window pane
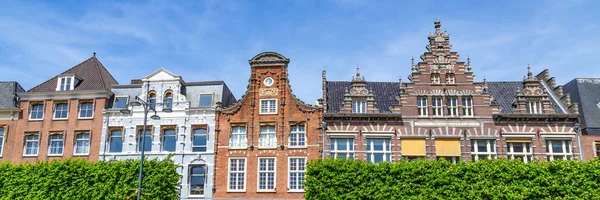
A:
206	100
120	102
341	144
169	140
116	142
482	146
518	147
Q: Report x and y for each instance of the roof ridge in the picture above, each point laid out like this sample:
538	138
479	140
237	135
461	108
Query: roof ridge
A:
108	72
59	74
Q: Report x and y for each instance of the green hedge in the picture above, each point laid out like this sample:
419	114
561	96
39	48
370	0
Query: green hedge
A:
80	179
488	179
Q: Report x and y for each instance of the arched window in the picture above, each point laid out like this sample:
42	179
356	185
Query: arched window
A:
152	98
168	100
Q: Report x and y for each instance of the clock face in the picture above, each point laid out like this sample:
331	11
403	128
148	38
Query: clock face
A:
268	81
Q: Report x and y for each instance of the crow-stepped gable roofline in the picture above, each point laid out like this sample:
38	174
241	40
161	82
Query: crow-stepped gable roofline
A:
269	59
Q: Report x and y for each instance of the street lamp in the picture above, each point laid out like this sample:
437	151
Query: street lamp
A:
147	108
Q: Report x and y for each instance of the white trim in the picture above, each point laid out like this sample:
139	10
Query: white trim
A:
297	171
260	110
385	150
25	145
265	81
89	139
212	101
3	127
359	106
50	144
452	106
79	104
55	108
258	171
31	109
270	137
466	107
333	149
437	107
567	149
423	107
239	134
489	146
298	133
596	149
527	152
189	179
245	172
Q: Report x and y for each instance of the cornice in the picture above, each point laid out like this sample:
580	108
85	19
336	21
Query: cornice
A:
28	96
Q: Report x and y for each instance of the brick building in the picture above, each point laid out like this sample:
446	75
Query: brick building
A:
9	114
265	139
586	93
62	117
442	113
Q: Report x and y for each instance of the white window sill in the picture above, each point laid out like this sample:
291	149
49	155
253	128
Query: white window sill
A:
275	147
290	191
267	113
54	155
297	147
85	118
195	196
60	119
236	190
238	148
36	119
81	154
31	155
265	191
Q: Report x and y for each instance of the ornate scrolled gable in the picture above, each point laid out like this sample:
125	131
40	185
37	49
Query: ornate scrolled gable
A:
269	59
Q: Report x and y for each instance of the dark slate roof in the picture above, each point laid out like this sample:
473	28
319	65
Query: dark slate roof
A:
93	75
8	94
586	92
385	94
505	94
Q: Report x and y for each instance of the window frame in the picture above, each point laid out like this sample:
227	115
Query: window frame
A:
238	134
80	108
152	96
268	111
450	78
359	106
2	137
190	175
126	102
55	110
62	141
435	78
26	141
422	110
370	152
567	147
110	138
452	106
163	137
212	101
437	109
198	127
166	104
333	149
259	171
534	107
452	159
466	100
32	106
65	83
510	153
76	141
301	136
492	149
596	145
244	172
261	144
139	139
290	171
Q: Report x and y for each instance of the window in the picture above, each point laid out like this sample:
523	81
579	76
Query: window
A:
268	138
31	145
266	174
597	148
237	174
483	149
268	106
422	106
435	78
121	102
378	150
168	100
467	103
450	78
520	150
297	136
199	140
359	106
558	149
2	129
152	99
413	148
341	148
436	106
453	159
37	111
297	168
66	84
82	143
268	81
169	140
206	100
56	144
144	140
115	141
451	105
61	111
238	137
86	110
197	180
534	107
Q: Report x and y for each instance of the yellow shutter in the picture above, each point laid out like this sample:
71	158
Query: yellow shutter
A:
413	147
447	147
519	140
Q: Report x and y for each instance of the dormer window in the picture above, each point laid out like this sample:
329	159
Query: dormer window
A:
450	79
534	107
359	106
65	83
435	78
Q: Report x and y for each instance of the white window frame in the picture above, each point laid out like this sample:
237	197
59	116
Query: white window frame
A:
301	137
371	152
166	99
238	172
290	171
37	148
491	152
534	107
467	106
199	135
2	144
359	106
268	109
596	145
270	137
126	102
435	78
526	152
212	101
190	180
452	105
437	108
63	87
81	108
62	148
163	136
31	111
567	148
110	138
239	135
422	109
56	109
259	171
77	140
450	78
334	149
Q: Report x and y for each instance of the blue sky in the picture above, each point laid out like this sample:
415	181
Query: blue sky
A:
213	40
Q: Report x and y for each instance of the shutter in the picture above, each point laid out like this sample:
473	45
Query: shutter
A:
447	147
413	146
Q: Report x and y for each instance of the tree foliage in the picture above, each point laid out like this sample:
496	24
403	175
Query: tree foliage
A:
488	179
80	179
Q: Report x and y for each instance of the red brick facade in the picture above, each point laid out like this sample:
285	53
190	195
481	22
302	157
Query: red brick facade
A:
288	112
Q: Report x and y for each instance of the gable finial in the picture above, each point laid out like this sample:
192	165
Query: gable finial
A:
413	66
529	74
469	63
437	25
94	54
357	71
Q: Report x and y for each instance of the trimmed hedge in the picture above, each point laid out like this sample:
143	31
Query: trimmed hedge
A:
80	179
488	179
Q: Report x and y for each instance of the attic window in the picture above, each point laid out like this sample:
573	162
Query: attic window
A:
65	83
598	104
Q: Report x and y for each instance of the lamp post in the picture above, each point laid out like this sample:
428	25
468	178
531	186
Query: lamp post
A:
147	107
